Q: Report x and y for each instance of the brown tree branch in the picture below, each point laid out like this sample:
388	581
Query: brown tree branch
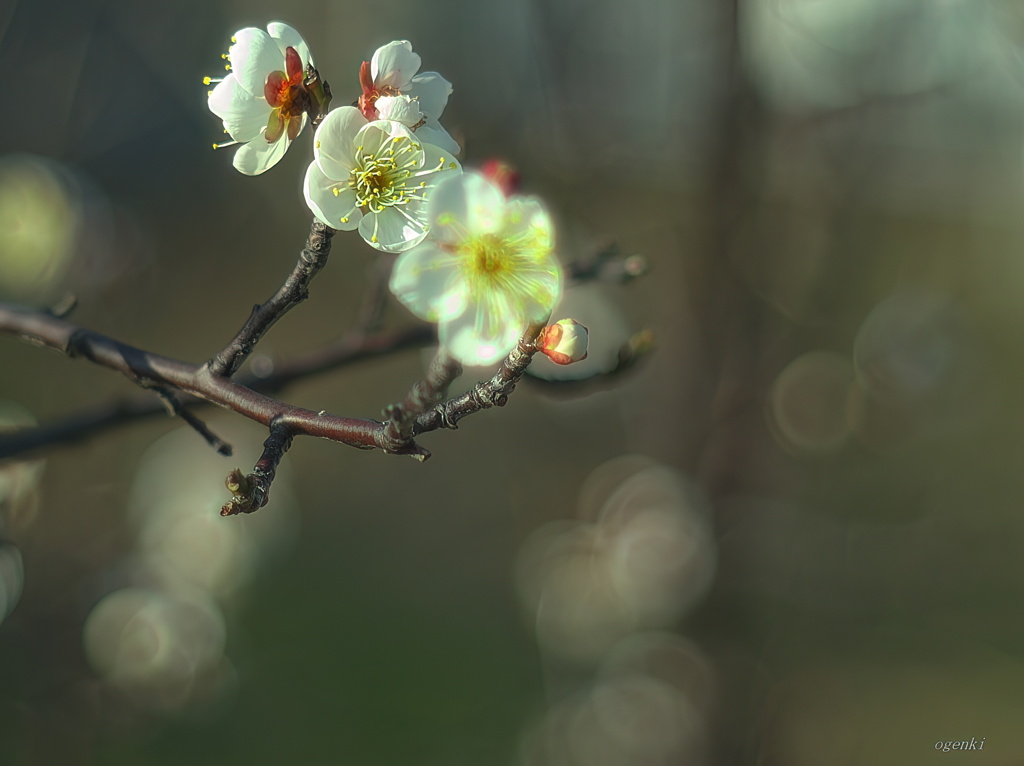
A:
353	348
153	370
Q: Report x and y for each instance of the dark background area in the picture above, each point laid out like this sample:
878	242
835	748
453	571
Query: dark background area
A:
791	535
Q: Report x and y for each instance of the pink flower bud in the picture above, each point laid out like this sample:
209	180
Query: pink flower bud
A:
502	175
564	342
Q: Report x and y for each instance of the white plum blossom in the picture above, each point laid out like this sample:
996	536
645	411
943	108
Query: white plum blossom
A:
393	91
486	271
374	176
263	100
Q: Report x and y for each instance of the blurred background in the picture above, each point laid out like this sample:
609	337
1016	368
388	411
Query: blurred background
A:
791	535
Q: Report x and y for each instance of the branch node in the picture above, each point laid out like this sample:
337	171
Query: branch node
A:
424	395
250	493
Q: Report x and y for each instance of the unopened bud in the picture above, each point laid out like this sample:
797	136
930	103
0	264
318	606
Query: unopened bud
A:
564	342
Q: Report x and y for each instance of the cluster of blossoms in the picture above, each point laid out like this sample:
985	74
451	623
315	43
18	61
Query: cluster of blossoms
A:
476	259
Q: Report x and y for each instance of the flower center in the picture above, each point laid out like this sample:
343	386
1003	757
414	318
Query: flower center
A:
488	256
285	90
379	180
287	95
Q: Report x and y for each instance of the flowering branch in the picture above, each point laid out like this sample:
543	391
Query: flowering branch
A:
285	421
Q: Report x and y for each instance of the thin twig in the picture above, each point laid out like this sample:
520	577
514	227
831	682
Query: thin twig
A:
424	394
175	408
491	393
294	290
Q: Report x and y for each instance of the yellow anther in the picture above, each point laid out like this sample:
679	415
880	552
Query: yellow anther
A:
207	80
344	219
227	67
374	238
234	39
335	190
317	144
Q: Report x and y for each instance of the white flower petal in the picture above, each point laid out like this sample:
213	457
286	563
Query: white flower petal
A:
254	56
537	290
374	135
484	333
433	91
244	117
393	65
465	205
431	132
427	280
287	37
328	207
393	229
258	155
333	143
403	109
526	218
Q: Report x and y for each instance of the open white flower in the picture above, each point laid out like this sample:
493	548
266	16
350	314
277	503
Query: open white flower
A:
374	176
486	271
263	101
393	91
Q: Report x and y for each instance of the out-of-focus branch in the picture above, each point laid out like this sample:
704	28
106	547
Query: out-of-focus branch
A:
606	264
